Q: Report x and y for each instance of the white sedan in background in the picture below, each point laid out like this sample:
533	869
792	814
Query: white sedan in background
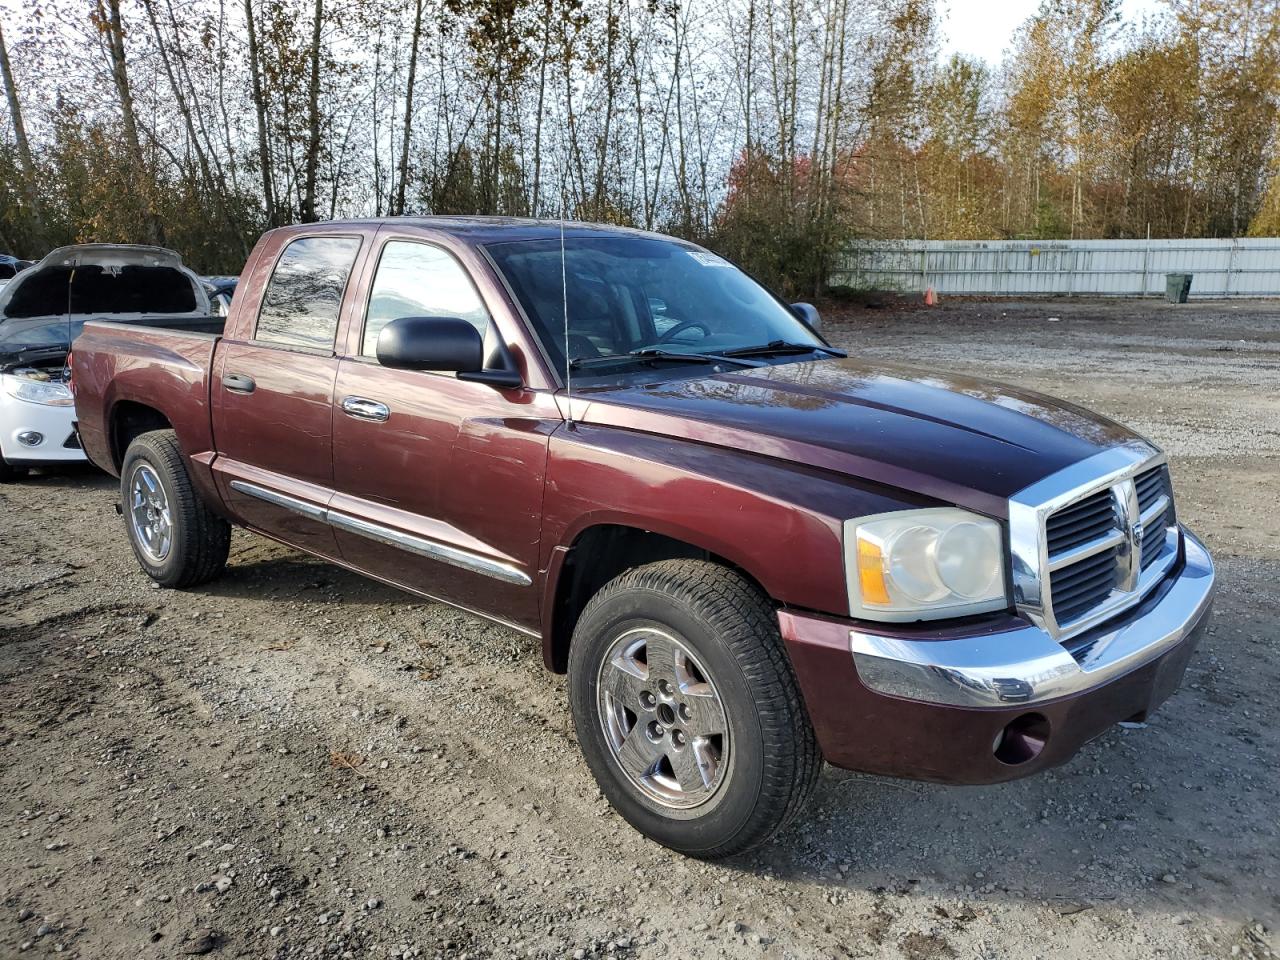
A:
43	310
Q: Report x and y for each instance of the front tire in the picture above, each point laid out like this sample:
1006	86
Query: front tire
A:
178	540
687	709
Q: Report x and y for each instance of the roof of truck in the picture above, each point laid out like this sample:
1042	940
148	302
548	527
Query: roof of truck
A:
480	230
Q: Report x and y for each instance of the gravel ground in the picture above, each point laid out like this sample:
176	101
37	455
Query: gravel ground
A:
294	761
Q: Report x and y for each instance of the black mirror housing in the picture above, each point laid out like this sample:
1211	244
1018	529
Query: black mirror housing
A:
809	314
431	343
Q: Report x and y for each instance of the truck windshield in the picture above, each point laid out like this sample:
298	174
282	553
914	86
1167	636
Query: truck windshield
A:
633	297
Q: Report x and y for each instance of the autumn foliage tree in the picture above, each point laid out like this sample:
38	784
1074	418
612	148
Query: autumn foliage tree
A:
776	131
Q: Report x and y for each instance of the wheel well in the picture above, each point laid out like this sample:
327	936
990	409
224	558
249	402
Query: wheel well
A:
130	420
598	555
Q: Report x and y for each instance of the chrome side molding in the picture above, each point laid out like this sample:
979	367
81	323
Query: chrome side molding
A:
454	556
308	510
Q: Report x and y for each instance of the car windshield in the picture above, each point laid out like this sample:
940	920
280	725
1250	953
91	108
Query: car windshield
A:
629	294
19	335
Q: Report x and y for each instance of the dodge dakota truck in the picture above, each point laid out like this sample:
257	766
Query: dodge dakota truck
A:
749	551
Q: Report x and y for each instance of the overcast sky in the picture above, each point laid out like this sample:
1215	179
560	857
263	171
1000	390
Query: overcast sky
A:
983	28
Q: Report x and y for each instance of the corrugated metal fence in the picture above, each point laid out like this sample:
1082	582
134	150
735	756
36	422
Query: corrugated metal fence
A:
1101	268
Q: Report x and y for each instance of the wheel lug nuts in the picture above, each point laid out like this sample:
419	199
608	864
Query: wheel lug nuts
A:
647	699
685	713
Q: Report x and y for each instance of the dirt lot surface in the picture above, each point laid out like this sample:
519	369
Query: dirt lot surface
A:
295	762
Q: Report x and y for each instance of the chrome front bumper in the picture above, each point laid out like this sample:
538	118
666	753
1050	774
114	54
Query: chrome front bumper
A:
1026	665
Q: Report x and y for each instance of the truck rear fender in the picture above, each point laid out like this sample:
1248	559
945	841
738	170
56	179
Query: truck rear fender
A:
131	379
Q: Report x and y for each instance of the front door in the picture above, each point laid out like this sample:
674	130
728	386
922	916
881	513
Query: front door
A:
438	481
273	397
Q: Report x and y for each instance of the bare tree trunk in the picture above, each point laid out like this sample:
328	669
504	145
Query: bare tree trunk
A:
610	91
408	109
110	21
260	108
308	212
535	196
24	147
214	188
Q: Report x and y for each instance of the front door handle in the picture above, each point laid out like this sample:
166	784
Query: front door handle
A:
365	409
238	382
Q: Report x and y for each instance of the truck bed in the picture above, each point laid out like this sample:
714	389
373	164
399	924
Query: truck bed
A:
158	365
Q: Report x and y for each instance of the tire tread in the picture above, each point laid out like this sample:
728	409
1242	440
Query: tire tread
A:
746	619
206	539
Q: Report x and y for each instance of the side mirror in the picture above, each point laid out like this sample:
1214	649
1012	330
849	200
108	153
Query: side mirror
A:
431	343
809	314
444	343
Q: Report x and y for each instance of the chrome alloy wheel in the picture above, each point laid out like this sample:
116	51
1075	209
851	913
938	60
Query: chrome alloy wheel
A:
149	514
663	718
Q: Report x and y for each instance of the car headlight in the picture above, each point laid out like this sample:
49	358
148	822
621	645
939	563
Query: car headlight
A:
924	565
48	392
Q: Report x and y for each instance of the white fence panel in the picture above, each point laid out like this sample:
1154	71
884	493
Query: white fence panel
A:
1101	268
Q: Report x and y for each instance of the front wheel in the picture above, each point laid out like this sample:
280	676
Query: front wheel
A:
687	708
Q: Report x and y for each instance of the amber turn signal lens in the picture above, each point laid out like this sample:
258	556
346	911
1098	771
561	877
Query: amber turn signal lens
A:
871	573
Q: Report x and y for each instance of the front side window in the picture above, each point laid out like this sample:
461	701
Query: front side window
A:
301	303
419	280
613	296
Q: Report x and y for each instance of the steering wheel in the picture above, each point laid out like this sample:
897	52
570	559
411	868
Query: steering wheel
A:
681	327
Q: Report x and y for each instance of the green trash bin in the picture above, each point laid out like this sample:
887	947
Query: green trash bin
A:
1177	286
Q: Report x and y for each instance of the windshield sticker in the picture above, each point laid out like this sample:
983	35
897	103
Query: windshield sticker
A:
709	259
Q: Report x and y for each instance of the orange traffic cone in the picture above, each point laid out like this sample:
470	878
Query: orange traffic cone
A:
930	298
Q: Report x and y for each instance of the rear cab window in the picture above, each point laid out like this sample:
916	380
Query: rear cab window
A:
416	279
303	298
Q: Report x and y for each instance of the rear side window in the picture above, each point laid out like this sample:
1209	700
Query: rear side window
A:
301	303
419	280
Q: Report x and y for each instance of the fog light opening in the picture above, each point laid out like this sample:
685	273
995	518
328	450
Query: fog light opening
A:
1021	740
31	438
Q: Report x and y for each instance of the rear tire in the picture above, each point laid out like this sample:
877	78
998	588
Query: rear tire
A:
687	709
178	540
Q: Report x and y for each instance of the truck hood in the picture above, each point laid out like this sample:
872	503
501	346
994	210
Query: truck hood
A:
955	439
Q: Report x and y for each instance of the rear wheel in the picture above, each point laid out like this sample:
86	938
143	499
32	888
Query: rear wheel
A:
687	709
177	539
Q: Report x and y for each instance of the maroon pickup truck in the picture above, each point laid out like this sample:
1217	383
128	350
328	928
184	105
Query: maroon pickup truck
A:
749	552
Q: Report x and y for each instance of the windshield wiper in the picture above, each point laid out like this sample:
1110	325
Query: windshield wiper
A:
779	347
657	353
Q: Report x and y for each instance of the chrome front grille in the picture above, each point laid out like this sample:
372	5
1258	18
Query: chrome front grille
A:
1155	505
1079	588
1081	523
1093	539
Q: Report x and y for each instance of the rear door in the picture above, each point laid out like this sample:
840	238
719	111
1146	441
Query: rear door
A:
273	390
438	481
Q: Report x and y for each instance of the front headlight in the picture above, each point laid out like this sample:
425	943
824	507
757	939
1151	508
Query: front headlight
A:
923	565
47	392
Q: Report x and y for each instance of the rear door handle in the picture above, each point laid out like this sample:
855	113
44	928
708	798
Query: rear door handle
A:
365	409
238	382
